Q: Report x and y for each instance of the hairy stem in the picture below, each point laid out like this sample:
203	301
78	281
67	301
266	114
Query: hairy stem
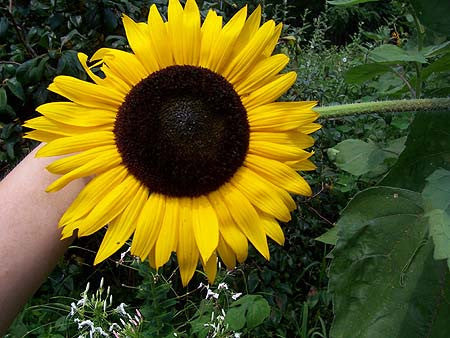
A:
380	107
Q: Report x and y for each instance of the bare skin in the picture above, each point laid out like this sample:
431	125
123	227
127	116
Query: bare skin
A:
30	244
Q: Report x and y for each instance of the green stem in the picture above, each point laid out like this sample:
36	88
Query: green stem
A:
418	65
379	107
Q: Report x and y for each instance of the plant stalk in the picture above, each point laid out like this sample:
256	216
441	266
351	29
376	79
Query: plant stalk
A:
380	107
418	65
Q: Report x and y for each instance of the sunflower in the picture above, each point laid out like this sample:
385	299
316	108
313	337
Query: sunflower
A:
189	152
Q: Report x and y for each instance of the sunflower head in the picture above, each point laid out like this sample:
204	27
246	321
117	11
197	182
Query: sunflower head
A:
189	151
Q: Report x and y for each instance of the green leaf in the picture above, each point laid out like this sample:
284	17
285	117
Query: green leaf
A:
329	237
23	71
10	150
435	50
250	309
3	97
348	2
436	195
383	278
236	317
257	312
16	88
392	53
440	65
365	72
110	20
433	14
439	222
358	157
427	149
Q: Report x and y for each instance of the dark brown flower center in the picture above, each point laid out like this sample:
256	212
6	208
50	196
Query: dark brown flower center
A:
182	131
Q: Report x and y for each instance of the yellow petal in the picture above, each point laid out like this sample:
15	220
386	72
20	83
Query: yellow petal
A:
263	194
45	124
281	116
87	94
148	225
175	22
109	207
210	31
159	38
205	225
247	57
68	230
151	258
124	65
263	72
92	194
73	144
109	79
187	251
309	128
245	217
273	42
304	165
76	115
121	228
168	236
270	92
250	28
226	254
287	151
41	136
83	60
290	138
64	165
279	174
139	39
210	268
228	228
191	33
223	47
272	228
104	161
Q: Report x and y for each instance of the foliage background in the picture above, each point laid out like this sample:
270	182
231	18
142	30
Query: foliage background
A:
39	40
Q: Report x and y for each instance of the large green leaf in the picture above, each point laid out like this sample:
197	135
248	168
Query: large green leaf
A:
329	237
365	72
358	157
427	149
352	156
384	280
250	311
440	65
434	14
437	204
392	53
440	232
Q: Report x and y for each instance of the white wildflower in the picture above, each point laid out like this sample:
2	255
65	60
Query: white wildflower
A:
86	323
123	254
121	309
236	295
222	286
114	326
211	294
